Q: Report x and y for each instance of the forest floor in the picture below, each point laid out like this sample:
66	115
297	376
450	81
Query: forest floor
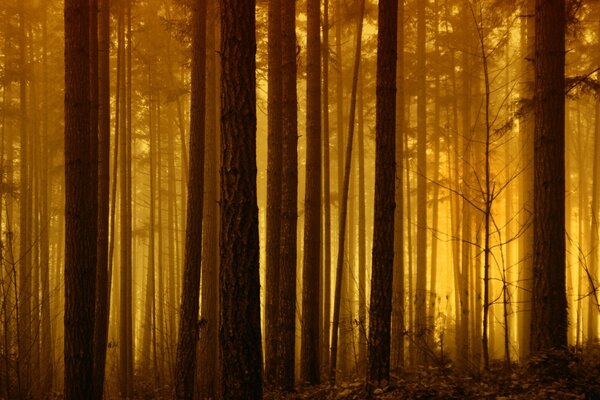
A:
575	375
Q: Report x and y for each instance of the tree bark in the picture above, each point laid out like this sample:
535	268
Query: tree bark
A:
241	367
526	182
380	310
398	327
326	192
274	182
102	278
344	200
209	339
310	357
289	201
421	327
549	311
80	215
189	326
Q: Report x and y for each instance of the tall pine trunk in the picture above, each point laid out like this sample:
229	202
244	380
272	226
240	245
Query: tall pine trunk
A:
326	192
526	125
209	339
185	365
274	206
80	215
102	277
241	355
549	303
380	310
289	200
310	357
344	201
398	319
421	284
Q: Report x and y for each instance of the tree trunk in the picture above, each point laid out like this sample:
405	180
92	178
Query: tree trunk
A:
421	285
326	192
102	278
80	215
593	307
209	339
549	311
241	367
526	195
47	373
189	325
362	245
24	265
467	236
344	199
125	320
398	327
310	357
383	230
289	200
274	207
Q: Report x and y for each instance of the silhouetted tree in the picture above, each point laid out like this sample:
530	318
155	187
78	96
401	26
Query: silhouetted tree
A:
241	355
185	366
380	310
549	299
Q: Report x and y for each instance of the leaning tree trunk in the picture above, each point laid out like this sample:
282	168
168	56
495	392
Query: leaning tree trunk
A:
241	355
185	364
326	192
102	287
344	201
380	310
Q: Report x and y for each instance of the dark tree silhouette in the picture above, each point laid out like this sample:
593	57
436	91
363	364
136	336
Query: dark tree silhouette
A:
310	360
380	310
80	214
241	354
549	299
185	365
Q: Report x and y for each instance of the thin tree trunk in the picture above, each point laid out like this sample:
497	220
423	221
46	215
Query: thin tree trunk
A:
421	328
208	346
310	357
189	328
593	307
398	320
432	312
274	207
526	196
326	192
289	200
467	236
125	321
344	199
23	305
102	277
47	372
362	245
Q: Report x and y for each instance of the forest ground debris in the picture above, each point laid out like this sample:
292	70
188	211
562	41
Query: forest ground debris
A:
577	377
